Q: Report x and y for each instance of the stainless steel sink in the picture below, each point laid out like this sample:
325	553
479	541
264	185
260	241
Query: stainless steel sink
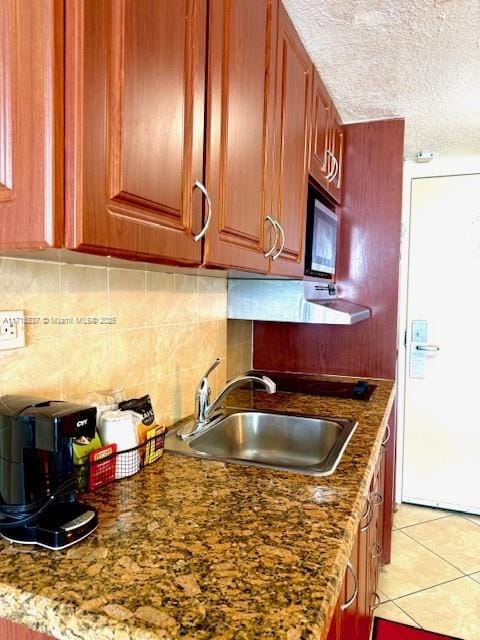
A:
308	445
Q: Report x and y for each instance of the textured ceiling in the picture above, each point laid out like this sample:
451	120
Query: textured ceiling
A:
419	59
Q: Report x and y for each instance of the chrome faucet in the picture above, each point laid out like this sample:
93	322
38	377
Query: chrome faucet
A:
204	409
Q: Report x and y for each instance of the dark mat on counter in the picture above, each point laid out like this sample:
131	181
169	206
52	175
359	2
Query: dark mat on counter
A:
388	630
312	385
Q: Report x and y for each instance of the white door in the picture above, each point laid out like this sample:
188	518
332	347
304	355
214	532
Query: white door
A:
441	458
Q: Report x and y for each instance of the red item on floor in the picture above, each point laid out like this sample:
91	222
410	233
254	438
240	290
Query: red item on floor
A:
388	630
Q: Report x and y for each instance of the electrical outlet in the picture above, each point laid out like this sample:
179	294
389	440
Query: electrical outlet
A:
12	330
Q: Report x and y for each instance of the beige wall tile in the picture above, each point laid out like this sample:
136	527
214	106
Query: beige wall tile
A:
186	346
413	568
126	295
35	369
409	514
34	288
452	608
212	297
84	364
476	577
83	294
222	338
454	538
207	342
239	346
186	382
163	399
160	353
170	327
160	298
127	358
186	298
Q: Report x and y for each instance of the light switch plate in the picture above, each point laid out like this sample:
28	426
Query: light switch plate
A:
12	329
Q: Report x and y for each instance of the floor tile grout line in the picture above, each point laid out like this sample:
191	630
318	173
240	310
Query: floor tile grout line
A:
439	556
434	586
402	610
416	524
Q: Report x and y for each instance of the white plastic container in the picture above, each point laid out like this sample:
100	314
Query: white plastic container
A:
120	428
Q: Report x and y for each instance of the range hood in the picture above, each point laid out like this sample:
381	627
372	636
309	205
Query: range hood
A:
290	301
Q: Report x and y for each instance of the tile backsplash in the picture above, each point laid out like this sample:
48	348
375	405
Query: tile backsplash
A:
100	327
239	346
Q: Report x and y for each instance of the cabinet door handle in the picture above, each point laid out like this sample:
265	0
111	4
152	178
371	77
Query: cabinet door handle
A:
368	515
282	245
387	436
376	601
377	499
332	177
348	603
203	189
275	240
378	551
330	173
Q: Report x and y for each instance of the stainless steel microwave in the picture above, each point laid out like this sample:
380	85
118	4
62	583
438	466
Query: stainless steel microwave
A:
321	239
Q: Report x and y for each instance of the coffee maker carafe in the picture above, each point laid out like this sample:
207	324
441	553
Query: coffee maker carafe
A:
38	486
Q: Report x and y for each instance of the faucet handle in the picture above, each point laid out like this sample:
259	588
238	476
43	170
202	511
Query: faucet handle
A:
211	368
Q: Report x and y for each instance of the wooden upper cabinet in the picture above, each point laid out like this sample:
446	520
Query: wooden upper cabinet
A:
293	114
240	127
135	82
335	186
30	123
326	153
320	164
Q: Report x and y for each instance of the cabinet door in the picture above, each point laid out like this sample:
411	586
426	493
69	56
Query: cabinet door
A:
30	123
320	162
13	631
292	146
242	39
335	186
135	76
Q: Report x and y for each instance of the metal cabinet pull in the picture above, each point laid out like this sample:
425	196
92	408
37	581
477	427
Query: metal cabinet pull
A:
282	245
348	603
387	436
275	240
377	499
332	170
203	189
427	347
368	515
376	601
335	168
378	551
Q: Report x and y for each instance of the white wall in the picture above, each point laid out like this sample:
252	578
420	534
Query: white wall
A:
412	170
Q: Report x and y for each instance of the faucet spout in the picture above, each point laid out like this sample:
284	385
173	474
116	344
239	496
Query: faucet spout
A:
267	382
204	409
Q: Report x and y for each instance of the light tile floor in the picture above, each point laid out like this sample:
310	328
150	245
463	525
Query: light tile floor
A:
433	581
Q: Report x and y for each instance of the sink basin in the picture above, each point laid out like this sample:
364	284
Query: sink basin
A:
308	445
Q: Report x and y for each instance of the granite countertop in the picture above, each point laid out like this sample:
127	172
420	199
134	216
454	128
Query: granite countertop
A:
201	549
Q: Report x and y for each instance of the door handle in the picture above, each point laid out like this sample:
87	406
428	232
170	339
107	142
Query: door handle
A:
431	348
203	189
282	244
275	240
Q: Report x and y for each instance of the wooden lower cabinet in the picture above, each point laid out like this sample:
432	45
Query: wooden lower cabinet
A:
12	631
353	614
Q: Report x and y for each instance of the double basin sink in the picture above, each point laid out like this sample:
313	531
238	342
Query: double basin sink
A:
300	444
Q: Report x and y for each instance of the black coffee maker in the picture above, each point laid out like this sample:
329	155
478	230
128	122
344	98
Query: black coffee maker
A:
38	486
